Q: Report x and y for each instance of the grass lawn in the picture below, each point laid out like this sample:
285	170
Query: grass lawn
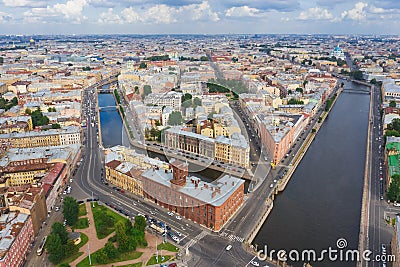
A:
82	223
154	261
84	240
138	264
71	258
167	246
82	210
104	220
126	256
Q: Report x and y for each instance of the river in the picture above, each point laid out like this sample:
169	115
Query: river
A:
322	202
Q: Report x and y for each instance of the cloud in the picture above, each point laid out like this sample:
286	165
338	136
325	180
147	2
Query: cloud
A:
24	3
71	11
316	13
101	3
161	14
358	12
5	17
264	5
242	11
332	3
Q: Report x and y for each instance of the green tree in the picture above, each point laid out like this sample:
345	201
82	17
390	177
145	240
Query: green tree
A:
55	126
70	248
289	92
136	89
1	60
186	97
300	90
175	118
38	119
358	75
146	90
58	229
196	102
203	58
86	68
55	248
392	104
28	111
392	133
14	101
110	250
122	237
393	192
140	223
142	65
293	101
70	210
101	257
373	81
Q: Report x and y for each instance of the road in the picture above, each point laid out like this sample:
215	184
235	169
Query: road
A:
379	232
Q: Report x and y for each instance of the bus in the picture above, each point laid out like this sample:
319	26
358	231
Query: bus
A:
157	228
40	249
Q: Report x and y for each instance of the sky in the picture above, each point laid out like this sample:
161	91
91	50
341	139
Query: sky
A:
199	16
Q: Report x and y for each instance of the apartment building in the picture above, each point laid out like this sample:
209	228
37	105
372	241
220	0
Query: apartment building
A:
169	99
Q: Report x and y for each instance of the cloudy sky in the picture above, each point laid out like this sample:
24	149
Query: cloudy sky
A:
199	16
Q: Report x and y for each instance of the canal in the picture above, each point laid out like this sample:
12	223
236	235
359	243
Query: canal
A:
113	133
322	202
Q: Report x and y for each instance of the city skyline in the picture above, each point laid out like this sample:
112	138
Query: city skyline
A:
199	17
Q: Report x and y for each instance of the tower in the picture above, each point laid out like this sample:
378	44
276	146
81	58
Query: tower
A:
180	171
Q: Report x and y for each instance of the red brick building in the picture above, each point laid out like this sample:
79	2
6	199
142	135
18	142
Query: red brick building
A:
209	204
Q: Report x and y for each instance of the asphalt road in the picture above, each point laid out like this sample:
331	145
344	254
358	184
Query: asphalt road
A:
379	231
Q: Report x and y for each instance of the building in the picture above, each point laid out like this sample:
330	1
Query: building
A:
391	90
395	244
392	157
17	237
234	150
54	137
338	53
15	124
28	200
208	204
169	99
124	175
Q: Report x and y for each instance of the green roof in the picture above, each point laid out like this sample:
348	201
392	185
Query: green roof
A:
393	160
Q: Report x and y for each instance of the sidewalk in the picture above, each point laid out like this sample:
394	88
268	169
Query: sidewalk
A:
96	244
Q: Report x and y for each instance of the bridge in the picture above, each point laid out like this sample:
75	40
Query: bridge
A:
356	91
105	108
104	91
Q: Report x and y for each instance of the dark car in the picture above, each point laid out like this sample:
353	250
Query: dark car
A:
172	264
168	227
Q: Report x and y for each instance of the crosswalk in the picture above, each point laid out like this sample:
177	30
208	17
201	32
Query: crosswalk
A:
232	237
196	239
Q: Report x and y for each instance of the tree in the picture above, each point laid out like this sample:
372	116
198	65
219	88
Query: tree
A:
55	248
393	192
373	81
122	237
70	210
28	111
87	68
295	102
203	58
38	119
146	90
392	104
136	89
175	118
140	223
110	250
358	75
196	102
289	92
55	126
186	97
58	229
101	257
142	65
1	60
14	101
70	248
300	90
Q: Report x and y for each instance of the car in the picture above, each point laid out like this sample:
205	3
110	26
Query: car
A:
170	213
70	180
396	204
254	263
179	217
57	209
170	235
168	227
275	180
178	233
272	185
172	264
228	247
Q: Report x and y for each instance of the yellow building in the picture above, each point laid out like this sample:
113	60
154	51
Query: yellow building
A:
124	175
23	177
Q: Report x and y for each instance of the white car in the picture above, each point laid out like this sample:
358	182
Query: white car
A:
272	185
254	263
179	217
396	204
228	247
178	233
57	208
170	213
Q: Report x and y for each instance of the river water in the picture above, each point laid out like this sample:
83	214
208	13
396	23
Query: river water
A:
322	202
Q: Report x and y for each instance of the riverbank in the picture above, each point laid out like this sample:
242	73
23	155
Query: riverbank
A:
364	221
282	183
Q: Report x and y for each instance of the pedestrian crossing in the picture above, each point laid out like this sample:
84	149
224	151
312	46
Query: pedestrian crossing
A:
196	239
232	237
